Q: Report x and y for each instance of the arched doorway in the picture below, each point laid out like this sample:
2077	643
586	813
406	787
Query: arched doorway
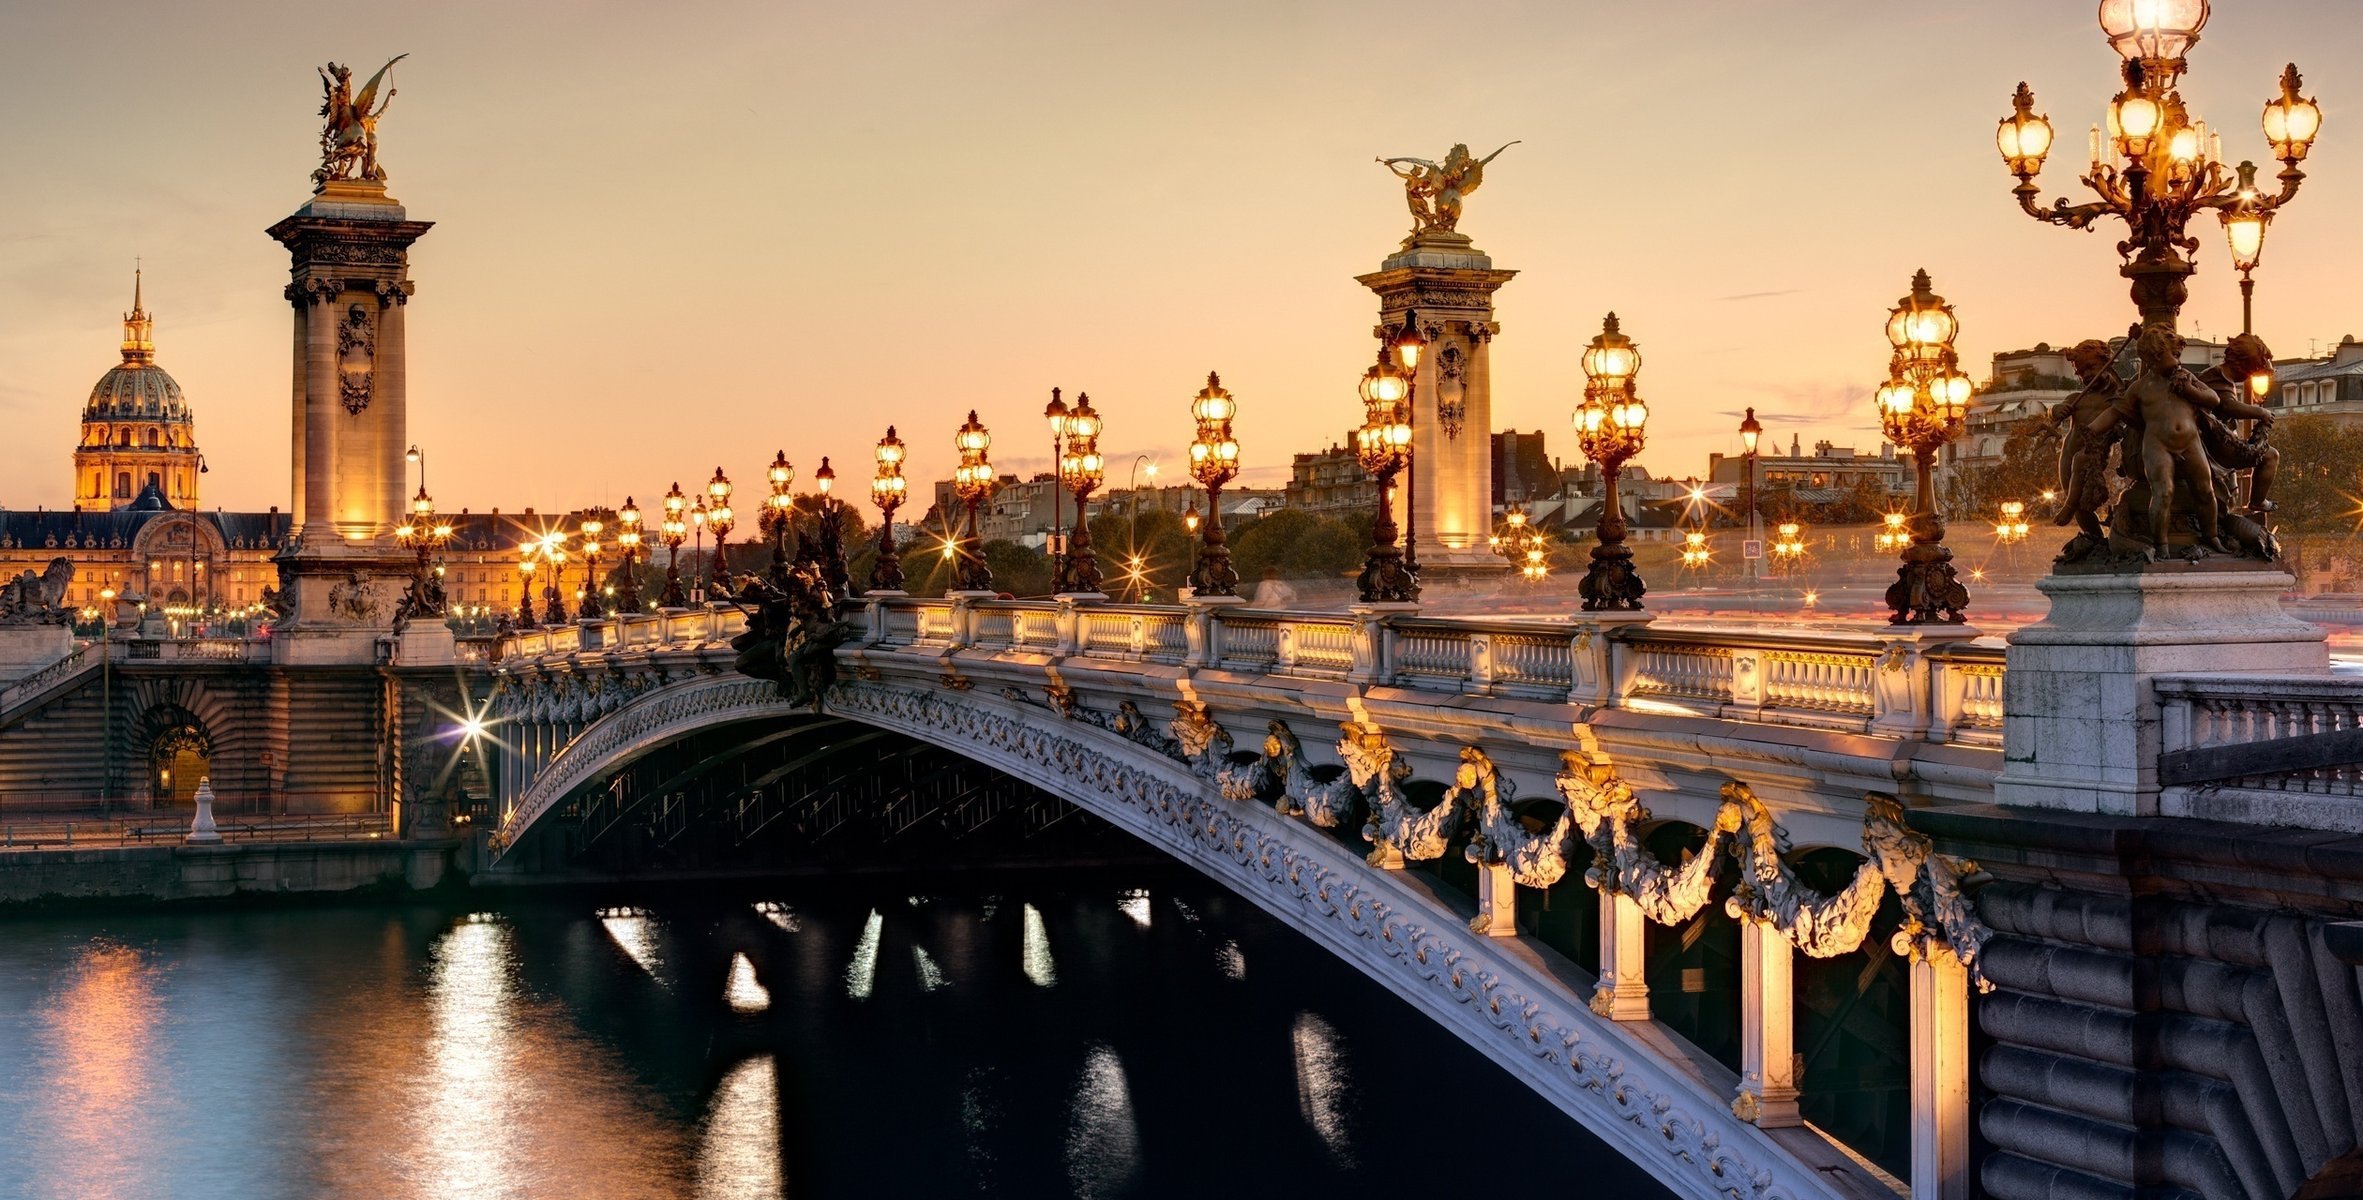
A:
179	754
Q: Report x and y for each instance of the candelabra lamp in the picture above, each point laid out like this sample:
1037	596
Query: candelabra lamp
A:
1695	554
627	539
887	488
1923	405
973	483
593	601
553	555
674	530
1383	446
1892	535
774	520
426	535
1214	461
526	566
2160	165
829	553
1081	470
1610	425
722	520
2012	528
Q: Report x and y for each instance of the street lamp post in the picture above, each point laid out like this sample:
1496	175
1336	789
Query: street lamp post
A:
425	535
887	488
1383	447
1407	343
1923	405
1080	470
627	539
674	530
2170	166
697	546
973	482
1750	432
594	528
553	552
719	516
1214	461
1610	426
830	551
525	570
773	520
1056	413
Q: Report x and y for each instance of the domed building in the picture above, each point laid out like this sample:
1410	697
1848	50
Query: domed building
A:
137	430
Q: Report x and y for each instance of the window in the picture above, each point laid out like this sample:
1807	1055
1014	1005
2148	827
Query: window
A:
123	483
155	438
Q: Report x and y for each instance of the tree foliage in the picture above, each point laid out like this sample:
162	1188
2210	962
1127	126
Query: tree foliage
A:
1293	544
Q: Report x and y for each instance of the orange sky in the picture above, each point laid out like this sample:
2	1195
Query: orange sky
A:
670	236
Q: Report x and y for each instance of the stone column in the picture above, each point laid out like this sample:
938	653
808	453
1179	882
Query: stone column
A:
1497	901
1623	994
387	408
1940	1078
1767	1029
320	415
299	386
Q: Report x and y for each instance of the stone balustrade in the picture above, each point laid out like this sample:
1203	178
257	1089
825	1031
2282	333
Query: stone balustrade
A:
2236	748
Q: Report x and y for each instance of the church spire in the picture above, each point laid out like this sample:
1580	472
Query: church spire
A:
139	345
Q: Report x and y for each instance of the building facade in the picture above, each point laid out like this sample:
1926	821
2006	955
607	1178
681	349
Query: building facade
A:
2324	387
1330	482
1838	470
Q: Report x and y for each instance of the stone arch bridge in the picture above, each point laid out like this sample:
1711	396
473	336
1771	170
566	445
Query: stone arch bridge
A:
1701	890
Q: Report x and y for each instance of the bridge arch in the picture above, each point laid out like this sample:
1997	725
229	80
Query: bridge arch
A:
1668	1116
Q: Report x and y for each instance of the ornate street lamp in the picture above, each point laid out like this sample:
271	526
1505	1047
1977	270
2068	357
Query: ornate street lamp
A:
886	491
627	539
594	527
719	516
2170	167
1214	461
2012	528
552	549
973	482
697	546
830	553
1080	472
426	535
1923	405
525	569
674	530
1609	425
773	520
1055	412
1892	536
1383	446
1407	343
1750	432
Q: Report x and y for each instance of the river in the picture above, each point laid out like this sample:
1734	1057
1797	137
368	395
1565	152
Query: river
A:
1146	1036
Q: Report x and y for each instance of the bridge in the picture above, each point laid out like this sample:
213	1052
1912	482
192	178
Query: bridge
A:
1701	888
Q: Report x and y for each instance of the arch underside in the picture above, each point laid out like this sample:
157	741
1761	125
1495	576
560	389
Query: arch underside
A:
1501	996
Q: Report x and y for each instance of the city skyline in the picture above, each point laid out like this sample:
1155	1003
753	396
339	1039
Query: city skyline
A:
645	260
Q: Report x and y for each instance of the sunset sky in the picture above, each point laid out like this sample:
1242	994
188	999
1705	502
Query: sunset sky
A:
671	236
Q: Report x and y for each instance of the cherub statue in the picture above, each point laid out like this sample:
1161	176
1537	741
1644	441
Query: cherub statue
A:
2168	402
1435	190
2084	455
348	132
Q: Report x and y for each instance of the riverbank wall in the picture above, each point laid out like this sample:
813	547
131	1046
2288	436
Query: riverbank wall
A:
184	872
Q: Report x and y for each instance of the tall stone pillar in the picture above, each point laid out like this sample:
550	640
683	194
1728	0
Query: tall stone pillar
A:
1767	1028
1448	285
349	283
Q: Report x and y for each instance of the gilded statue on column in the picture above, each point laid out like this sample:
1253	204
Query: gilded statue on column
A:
1435	190
348	131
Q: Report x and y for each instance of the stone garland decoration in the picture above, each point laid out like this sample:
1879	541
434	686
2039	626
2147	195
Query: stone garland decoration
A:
1599	1070
1203	744
1536	860
1608	811
1394	824
1938	913
1769	892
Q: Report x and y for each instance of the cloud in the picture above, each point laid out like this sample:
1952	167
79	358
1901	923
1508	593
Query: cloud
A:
1759	295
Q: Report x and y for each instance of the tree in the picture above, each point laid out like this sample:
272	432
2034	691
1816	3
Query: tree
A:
1294	544
2028	467
2318	497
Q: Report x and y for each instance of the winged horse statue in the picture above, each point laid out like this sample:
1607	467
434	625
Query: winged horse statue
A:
348	133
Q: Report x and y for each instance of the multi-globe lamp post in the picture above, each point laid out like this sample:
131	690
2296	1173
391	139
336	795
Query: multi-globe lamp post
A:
673	529
773	520
526	567
1383	447
1214	461
887	489
627	539
1610	425
2168	166
973	483
719	516
830	520
551	548
1081	470
589	602
426	535
1923	405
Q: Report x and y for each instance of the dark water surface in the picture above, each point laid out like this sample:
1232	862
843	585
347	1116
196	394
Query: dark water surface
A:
1164	1039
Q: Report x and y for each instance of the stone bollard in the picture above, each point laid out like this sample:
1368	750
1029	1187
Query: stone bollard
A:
201	829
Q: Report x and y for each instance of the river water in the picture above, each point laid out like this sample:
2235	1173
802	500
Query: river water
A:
1020	1040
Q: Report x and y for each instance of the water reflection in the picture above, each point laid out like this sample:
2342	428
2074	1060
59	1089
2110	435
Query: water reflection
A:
861	975
746	993
931	976
1039	968
1322	1087
1136	905
738	1156
1103	1140
99	1028
635	933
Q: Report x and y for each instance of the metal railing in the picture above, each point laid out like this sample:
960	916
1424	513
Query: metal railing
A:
168	827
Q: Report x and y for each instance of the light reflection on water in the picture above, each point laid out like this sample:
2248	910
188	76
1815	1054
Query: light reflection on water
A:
713	1049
